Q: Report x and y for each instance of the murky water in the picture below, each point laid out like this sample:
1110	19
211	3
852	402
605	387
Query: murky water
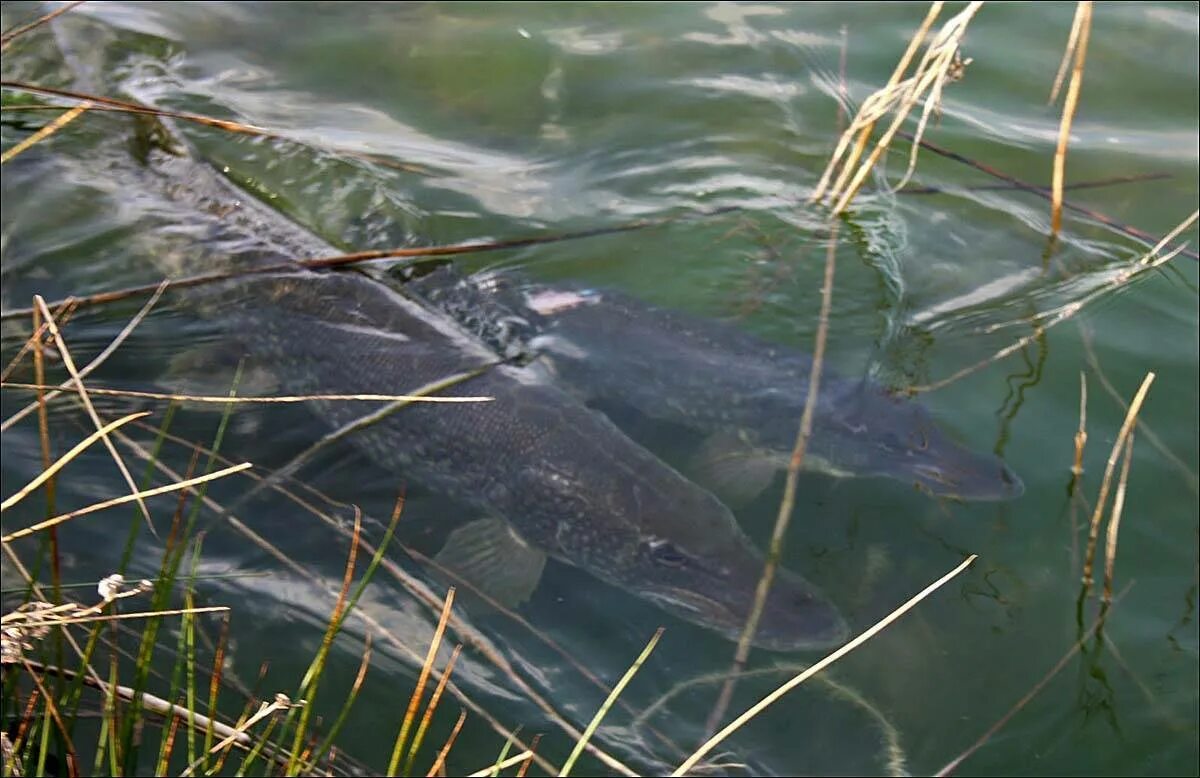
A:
518	119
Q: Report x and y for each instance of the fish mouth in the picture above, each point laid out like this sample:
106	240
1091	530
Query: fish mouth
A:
794	617
980	480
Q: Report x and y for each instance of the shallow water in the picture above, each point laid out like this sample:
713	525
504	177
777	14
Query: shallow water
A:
529	118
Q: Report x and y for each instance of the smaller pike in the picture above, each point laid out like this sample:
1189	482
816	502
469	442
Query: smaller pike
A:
746	393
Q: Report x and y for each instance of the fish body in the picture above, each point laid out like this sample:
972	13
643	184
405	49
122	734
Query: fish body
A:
747	393
551	476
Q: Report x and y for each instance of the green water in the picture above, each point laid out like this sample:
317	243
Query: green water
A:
526	118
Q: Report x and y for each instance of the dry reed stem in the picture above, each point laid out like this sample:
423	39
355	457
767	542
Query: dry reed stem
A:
69	363
533	744
445	751
594	724
436	698
11	35
1144	429
1083	21
1147	261
503	763
787	504
771	698
1094	183
1097	513
415	700
119	616
226	400
1065	62
1114	521
95	363
941	63
62	461
281	702
62	314
953	764
45	132
865	129
227	125
340	260
52	709
1124	229
1081	435
138	495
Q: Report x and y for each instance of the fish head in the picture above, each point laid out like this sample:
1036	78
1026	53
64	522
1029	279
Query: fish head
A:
873	432
666	540
717	589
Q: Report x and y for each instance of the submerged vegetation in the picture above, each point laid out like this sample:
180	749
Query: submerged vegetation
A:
138	678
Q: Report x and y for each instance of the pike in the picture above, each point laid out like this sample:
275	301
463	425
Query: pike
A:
745	393
551	477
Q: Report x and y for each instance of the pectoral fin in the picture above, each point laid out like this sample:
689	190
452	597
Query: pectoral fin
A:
210	369
733	468
491	557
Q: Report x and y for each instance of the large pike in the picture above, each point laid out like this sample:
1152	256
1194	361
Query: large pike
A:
552	477
746	393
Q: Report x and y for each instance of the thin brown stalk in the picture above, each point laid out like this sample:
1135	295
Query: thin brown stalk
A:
415	700
787	504
1068	51
17	32
419	737
138	495
69	363
1097	183
48	472
1125	229
225	399
1083	20
52	708
98	360
953	764
1114	521
533	744
1098	510
227	125
39	373
168	746
771	698
341	260
45	132
61	314
442	754
1081	435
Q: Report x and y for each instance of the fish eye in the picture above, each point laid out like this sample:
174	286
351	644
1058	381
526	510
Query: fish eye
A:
667	555
919	440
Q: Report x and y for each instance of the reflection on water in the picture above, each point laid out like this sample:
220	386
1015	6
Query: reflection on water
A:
561	117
